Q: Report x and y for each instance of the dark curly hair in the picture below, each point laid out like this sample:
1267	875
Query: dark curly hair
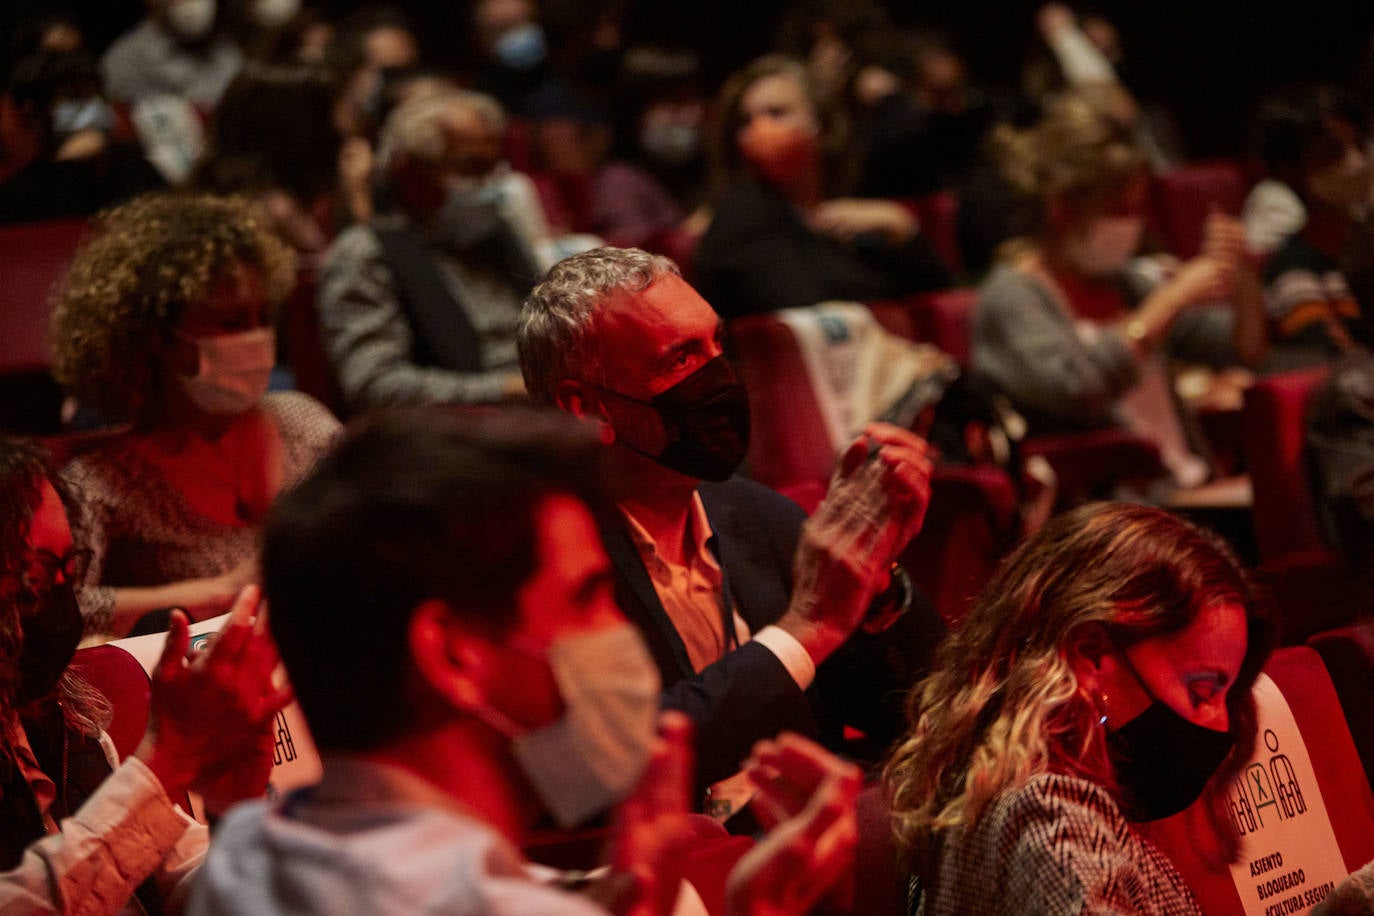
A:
132	281
24	467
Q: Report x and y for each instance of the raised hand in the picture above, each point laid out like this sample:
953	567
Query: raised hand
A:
652	827
806	797
874	507
213	710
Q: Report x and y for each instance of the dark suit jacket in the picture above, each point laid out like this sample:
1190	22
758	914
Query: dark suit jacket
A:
748	695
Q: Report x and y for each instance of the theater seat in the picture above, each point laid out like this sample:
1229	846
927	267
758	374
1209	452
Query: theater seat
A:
1348	654
1307	577
119	676
1276	806
1274	434
1086	464
33	258
972	510
1186	195
305	350
939	216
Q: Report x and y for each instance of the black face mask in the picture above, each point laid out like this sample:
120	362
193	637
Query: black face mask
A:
51	635
706	418
1162	760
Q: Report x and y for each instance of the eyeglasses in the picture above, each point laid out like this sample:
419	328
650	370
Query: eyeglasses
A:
44	567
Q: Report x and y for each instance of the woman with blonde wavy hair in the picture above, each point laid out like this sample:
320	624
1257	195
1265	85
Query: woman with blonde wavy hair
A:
1102	679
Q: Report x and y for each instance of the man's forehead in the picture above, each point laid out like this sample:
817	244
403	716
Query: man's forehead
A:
668	304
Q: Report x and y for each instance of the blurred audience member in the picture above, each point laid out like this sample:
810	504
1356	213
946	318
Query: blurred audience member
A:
444	608
1273	211
177	50
743	607
1320	281
283	31
165	321
1102	679
825	35
369	42
1340	441
661	114
422	306
82	158
1063	329
273	139
924	133
81	832
780	237
572	140
1085	53
511	49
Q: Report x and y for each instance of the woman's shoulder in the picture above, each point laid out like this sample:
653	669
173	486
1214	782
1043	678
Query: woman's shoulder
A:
1008	282
298	415
1054	795
743	206
104	467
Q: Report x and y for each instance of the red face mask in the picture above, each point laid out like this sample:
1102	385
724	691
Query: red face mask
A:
780	152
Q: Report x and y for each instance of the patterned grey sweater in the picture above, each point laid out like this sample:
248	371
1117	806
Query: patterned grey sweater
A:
1058	844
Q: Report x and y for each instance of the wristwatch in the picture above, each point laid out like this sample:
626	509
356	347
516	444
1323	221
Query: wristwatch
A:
892	603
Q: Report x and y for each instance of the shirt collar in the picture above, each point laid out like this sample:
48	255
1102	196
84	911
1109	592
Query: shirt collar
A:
699	533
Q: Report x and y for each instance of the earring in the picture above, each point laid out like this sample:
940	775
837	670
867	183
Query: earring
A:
1102	706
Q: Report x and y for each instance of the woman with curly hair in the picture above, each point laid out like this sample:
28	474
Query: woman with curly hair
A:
165	321
1102	679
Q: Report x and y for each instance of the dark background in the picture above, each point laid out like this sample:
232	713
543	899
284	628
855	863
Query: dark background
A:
1205	60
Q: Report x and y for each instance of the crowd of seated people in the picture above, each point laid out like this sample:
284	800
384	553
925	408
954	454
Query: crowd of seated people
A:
529	593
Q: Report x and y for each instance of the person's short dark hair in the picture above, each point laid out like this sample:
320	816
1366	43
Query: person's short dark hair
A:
412	504
348	51
1291	124
37	79
274	130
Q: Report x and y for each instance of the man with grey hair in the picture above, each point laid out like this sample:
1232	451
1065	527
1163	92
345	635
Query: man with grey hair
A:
421	305
752	616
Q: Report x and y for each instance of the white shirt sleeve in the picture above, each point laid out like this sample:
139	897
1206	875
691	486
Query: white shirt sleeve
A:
790	652
1080	59
119	837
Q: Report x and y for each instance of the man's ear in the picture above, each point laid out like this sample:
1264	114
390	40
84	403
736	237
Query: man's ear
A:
571	395
449	658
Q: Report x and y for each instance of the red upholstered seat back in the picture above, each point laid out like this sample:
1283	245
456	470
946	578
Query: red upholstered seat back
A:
122	680
939	216
1186	195
305	350
788	441
972	509
33	258
944	318
1273	430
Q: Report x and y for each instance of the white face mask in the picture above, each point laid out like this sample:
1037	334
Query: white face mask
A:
273	14
191	20
234	370
1106	246
471	214
594	755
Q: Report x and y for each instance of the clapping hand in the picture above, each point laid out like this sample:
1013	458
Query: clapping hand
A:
806	797
211	712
